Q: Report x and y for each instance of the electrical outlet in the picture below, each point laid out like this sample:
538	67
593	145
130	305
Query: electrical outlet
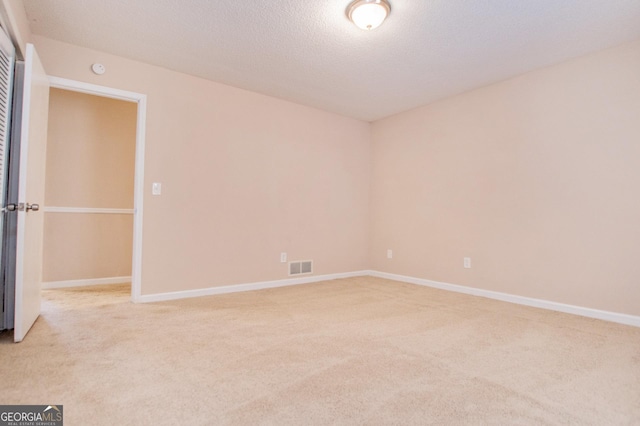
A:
283	257
467	262
389	254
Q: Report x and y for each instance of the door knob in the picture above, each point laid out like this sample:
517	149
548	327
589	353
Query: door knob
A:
21	207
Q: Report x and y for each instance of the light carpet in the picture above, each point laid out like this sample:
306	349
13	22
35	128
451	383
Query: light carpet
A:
354	351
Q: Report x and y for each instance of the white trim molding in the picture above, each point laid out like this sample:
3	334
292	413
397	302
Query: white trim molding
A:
94	89
86	210
87	282
505	297
161	297
138	189
520	300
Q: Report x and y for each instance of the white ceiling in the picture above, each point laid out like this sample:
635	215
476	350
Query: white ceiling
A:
308	52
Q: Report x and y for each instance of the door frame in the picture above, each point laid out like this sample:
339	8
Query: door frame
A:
138	189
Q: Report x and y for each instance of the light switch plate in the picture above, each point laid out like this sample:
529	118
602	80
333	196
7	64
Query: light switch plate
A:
156	188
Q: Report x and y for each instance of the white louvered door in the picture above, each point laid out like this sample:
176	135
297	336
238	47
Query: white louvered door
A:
7	61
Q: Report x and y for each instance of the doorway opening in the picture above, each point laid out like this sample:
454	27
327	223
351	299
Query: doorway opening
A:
94	195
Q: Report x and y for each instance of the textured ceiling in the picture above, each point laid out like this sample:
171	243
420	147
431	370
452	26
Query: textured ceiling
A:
308	52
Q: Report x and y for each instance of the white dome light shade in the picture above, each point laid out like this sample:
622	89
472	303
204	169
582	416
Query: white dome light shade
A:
368	14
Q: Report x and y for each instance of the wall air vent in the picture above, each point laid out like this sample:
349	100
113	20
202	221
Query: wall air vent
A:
300	267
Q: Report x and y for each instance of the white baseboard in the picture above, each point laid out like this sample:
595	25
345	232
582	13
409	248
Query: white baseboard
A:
161	297
87	282
520	300
505	297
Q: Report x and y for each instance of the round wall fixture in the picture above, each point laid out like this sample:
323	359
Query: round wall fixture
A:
368	14
98	68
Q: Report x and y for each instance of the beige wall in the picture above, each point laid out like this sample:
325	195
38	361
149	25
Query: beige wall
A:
87	246
244	177
90	164
537	179
91	151
534	178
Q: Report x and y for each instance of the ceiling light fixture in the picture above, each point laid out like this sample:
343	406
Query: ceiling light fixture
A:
368	14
